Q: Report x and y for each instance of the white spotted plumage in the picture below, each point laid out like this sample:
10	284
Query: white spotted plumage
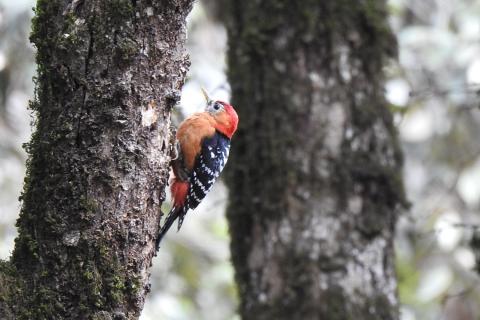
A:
208	166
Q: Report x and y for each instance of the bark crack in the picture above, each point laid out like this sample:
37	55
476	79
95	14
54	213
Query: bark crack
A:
84	84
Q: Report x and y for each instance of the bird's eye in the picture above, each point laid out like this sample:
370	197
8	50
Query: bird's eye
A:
216	106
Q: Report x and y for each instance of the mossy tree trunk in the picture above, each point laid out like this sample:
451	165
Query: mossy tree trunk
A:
109	73
315	169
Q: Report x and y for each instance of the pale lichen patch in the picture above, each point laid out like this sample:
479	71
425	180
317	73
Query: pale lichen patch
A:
149	11
71	238
336	123
149	114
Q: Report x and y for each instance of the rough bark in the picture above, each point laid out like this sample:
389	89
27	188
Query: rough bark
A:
109	73
315	168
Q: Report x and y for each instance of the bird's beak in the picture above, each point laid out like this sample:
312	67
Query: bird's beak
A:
205	94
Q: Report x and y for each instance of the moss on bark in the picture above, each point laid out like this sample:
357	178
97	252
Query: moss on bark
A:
96	170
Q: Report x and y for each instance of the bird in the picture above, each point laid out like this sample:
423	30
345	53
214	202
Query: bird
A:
203	145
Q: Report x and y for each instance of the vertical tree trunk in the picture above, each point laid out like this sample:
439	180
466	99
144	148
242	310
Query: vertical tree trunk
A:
108	74
315	170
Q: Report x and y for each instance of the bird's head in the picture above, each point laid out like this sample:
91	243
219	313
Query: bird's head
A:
225	116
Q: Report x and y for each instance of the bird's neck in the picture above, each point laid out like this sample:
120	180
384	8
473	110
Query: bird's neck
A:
225	129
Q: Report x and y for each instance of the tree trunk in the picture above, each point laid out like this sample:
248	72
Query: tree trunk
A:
315	169
109	73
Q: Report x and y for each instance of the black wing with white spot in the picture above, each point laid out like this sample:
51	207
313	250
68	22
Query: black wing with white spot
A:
208	165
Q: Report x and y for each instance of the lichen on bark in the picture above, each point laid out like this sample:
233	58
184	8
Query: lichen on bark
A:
97	168
315	170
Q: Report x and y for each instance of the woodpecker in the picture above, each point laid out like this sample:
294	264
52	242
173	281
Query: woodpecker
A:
203	144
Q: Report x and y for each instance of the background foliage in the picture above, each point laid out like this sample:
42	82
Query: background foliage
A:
433	89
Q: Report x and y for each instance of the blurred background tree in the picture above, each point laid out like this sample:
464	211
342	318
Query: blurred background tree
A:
432	89
315	172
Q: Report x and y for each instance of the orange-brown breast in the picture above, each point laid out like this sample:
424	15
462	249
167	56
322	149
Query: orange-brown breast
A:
191	133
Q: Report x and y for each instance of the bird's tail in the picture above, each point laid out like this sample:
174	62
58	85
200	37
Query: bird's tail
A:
171	217
179	191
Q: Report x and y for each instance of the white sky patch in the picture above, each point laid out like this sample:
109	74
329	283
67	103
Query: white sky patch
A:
16	105
434	282
192	99
398	92
165	305
465	258
415	176
469	26
447	231
17	5
417	126
473	72
469	185
406	314
433	46
3	61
